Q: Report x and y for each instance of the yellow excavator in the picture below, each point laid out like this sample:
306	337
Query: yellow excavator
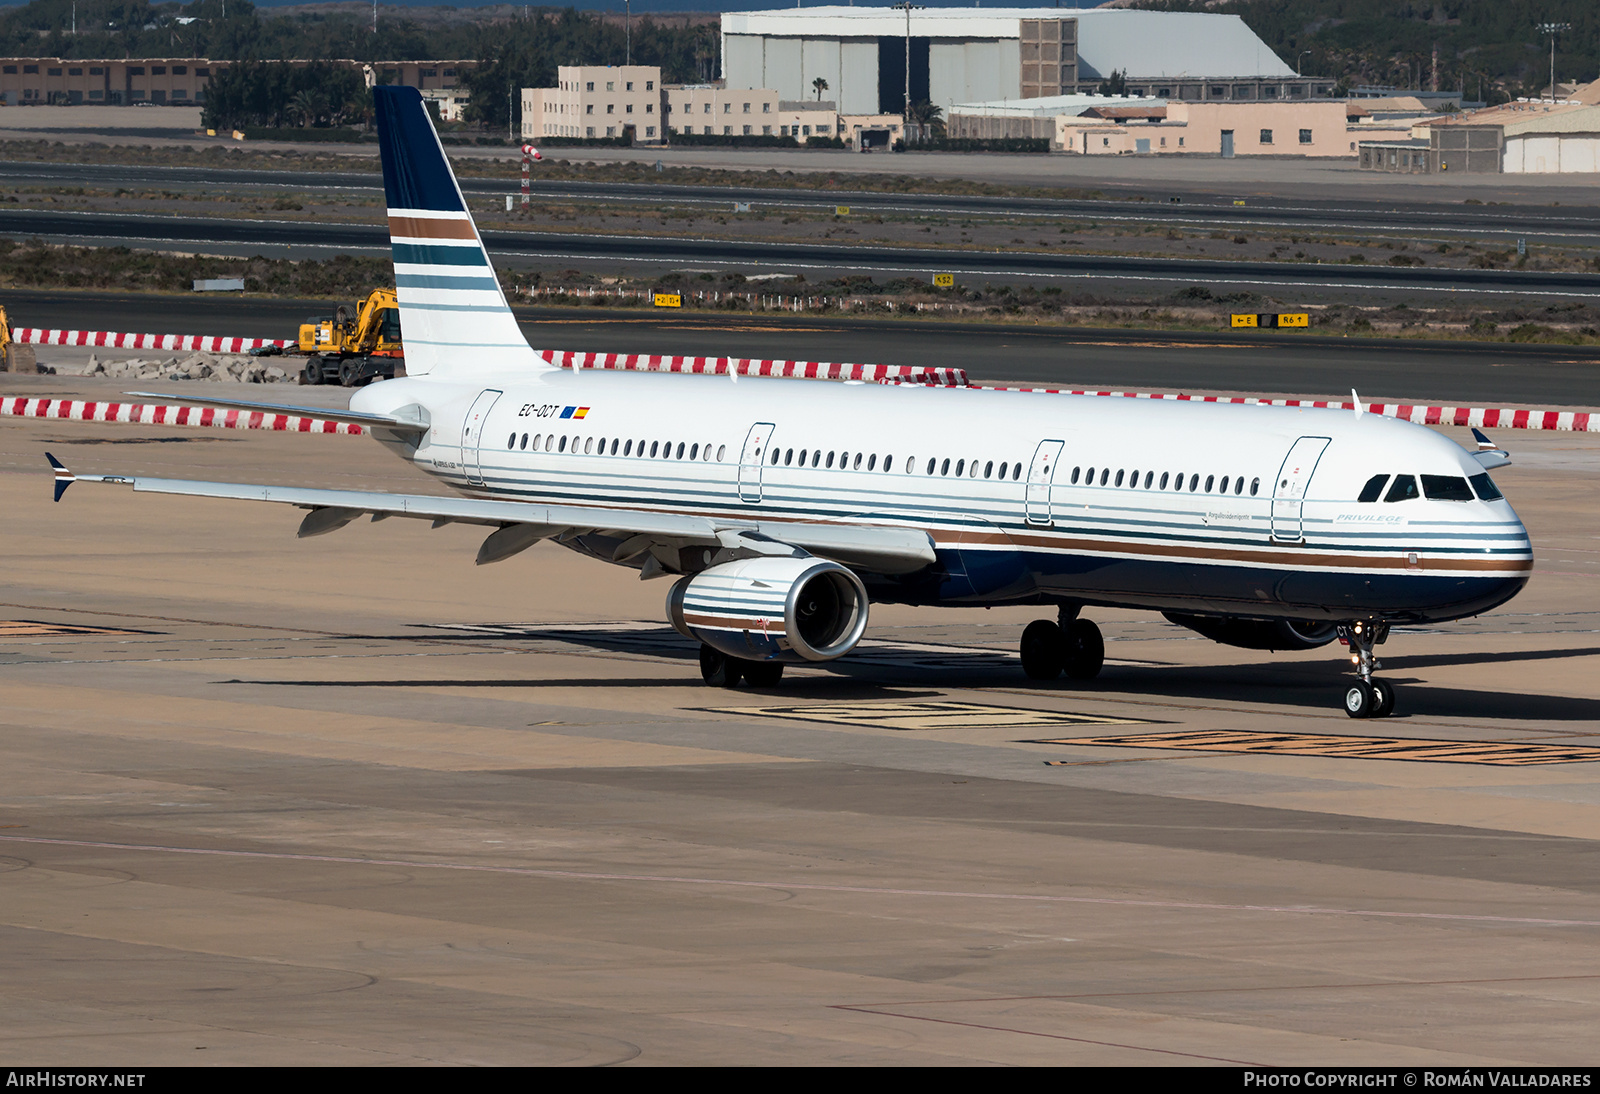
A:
355	345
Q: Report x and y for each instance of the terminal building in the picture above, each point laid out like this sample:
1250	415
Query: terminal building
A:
966	55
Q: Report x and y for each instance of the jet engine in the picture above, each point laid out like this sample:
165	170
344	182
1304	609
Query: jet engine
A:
772	609
1258	634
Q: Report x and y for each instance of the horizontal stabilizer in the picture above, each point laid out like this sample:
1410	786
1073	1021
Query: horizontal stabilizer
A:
415	422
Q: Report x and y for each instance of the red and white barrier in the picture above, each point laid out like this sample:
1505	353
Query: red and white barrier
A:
1566	421
39	336
748	366
1575	421
156	414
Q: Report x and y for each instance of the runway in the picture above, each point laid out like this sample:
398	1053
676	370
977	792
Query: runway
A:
1176	204
1253	363
664	253
352	800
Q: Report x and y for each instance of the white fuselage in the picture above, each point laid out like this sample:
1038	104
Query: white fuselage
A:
1234	509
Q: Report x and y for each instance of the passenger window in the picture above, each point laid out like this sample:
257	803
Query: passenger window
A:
1255	485
1486	488
1075	471
627	449
857	465
816	457
830	460
1133	480
961	465
888	462
1016	472
655	446
1210	482
1105	475
1149	477
1373	490
1177	481
932	463
721	448
844	458
1238	485
1404	488
944	469
694	452
777	454
988	470
972	471
872	462
588	446
1222	487
788	458
1003	472
1194	483
680	450
1446	488
1163	480
1119	478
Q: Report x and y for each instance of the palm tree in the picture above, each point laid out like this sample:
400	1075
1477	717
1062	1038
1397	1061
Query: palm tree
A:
821	85
928	119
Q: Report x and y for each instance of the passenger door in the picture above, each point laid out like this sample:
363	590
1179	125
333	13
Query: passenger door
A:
1289	489
750	462
472	436
1040	475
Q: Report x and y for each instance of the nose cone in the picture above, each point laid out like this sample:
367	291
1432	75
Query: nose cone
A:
1481	580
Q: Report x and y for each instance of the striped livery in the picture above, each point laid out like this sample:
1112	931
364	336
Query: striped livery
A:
454	313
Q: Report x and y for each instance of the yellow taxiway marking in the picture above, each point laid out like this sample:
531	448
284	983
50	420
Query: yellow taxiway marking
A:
935	715
1503	753
32	628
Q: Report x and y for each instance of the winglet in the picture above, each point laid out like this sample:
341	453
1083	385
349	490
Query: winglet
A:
64	478
1484	443
1356	399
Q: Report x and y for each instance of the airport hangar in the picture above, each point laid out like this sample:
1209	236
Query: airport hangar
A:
966	55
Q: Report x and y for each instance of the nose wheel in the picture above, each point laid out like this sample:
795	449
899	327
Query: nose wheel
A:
1368	696
1068	645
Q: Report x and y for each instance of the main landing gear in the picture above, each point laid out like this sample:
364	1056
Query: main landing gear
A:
1070	645
721	671
1368	697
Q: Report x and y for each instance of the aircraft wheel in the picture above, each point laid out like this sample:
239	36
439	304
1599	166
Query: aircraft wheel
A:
1360	699
718	669
313	371
1384	692
1085	650
762	674
1043	650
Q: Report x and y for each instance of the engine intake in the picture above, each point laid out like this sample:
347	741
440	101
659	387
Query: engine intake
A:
772	609
1259	634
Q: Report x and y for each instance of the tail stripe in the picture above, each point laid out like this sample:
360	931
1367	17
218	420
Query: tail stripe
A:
454	312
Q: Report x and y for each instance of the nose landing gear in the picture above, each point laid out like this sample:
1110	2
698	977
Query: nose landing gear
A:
1070	645
1367	697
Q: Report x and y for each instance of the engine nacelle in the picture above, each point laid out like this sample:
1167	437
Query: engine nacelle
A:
772	609
1259	634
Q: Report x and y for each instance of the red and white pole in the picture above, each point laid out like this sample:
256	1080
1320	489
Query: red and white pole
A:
529	154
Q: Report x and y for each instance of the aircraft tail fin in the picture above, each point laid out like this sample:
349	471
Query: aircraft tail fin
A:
453	315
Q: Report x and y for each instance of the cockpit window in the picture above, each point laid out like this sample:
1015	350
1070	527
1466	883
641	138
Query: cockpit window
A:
1404	488
1486	488
1374	488
1446	488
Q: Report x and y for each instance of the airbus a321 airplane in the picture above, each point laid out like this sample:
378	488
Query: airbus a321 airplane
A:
786	508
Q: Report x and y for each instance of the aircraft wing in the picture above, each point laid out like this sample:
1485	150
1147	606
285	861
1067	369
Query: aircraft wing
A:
521	524
416	422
